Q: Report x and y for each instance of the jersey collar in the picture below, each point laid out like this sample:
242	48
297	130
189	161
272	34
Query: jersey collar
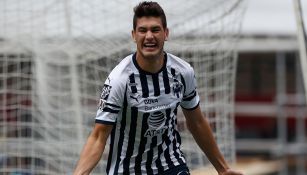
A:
146	72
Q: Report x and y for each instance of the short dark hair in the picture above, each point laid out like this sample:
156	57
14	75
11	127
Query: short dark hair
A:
148	9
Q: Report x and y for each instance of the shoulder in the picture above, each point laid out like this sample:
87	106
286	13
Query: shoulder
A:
179	64
120	73
123	69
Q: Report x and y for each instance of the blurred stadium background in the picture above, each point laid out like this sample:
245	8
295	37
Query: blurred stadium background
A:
55	55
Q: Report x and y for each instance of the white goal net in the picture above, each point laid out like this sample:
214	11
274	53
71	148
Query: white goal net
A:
56	54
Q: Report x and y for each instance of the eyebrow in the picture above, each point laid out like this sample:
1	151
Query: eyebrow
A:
156	27
153	27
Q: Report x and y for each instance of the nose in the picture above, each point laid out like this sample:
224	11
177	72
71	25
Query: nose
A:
149	35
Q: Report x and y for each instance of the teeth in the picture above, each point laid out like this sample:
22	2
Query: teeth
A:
149	45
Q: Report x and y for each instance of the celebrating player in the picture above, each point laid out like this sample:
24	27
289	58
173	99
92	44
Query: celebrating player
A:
138	108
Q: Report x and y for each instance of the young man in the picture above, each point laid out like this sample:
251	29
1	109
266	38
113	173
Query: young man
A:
138	107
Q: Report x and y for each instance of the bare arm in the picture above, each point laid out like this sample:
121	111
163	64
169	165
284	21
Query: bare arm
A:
202	133
93	149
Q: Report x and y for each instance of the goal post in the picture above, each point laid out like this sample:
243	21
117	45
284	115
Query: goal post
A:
55	56
301	37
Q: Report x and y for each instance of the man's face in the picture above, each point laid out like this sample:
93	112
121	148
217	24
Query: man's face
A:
149	36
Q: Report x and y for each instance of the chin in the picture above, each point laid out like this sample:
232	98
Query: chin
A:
151	54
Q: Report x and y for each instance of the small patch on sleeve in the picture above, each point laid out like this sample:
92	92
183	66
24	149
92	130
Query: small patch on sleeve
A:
104	95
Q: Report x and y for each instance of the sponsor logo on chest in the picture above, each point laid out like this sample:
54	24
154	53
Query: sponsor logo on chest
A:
156	124
151	101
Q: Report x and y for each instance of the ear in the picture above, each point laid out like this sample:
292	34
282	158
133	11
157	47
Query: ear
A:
166	34
133	35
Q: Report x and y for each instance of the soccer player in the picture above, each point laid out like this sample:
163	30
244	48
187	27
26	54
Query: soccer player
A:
138	107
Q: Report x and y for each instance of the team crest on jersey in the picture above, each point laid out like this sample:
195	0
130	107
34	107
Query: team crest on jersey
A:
106	89
156	124
177	87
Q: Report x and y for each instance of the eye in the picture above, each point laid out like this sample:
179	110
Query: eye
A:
142	30
155	29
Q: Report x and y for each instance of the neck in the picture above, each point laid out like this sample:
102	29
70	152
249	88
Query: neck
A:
152	65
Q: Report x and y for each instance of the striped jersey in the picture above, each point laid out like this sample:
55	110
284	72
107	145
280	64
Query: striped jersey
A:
142	106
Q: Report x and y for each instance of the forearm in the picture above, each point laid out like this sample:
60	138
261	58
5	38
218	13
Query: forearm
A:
93	149
203	135
90	156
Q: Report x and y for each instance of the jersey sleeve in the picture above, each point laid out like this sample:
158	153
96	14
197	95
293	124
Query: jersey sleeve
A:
110	102
190	98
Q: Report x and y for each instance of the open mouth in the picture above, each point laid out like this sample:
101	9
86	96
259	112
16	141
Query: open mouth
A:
150	45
